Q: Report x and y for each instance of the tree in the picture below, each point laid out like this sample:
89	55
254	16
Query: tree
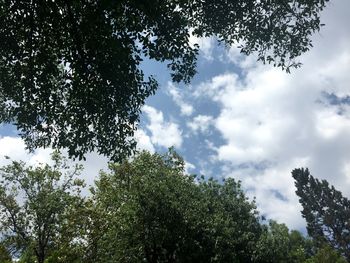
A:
278	244
326	255
70	74
36	203
231	229
274	243
301	247
154	212
326	211
5	256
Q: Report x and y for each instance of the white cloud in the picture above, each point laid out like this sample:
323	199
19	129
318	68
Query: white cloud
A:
144	141
163	133
215	87
185	108
234	55
272	119
206	45
274	190
189	167
14	148
200	123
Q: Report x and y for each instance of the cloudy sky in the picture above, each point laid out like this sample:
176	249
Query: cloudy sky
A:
249	121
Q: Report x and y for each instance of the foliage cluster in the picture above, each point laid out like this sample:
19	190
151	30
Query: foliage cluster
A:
326	210
143	210
70	71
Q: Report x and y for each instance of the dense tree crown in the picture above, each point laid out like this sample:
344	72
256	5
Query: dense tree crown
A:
70	70
326	211
142	210
156	213
35	206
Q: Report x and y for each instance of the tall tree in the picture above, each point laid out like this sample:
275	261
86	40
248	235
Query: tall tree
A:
154	212
35	206
326	211
70	72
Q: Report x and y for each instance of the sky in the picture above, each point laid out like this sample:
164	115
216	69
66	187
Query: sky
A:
255	123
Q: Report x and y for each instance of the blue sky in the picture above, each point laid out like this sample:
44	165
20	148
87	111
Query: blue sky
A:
253	122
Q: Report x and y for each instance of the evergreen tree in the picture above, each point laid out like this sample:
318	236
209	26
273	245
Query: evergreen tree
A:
326	210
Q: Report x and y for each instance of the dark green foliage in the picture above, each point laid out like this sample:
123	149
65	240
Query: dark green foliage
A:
326	211
300	247
70	70
232	222
278	244
36	204
153	212
5	256
144	210
326	255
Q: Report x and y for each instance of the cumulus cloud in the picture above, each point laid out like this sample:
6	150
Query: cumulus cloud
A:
200	123
234	55
14	147
163	133
189	167
272	122
185	108
144	141
206	45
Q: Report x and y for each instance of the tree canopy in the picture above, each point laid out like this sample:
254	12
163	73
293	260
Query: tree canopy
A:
70	74
35	207
146	209
326	211
157	213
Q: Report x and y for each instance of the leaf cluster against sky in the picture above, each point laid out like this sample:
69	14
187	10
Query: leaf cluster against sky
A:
253	122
